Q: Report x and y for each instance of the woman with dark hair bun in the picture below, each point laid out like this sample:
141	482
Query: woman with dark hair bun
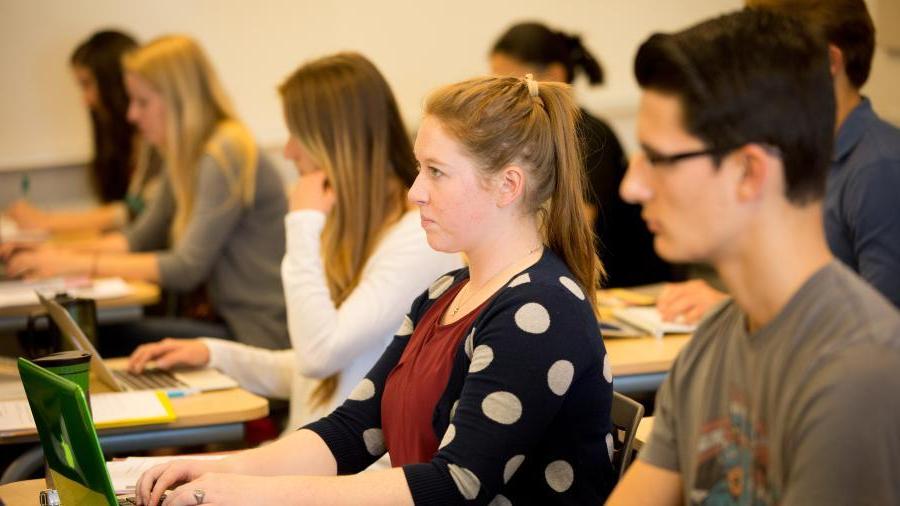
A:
623	241
123	192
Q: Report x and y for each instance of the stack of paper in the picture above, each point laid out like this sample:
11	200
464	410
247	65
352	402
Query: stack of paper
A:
650	320
112	409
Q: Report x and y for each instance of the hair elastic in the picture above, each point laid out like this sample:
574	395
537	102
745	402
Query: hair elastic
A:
532	85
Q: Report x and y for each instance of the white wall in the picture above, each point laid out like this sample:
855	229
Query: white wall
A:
417	44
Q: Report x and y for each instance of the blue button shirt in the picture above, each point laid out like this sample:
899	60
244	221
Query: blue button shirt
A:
862	200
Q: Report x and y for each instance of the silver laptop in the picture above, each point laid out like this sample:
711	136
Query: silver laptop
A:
200	380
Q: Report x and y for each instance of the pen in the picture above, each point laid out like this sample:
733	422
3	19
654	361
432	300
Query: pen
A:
175	393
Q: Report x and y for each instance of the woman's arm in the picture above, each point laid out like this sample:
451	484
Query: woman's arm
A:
100	219
259	476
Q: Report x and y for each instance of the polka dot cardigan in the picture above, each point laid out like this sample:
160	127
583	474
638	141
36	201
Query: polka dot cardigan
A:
525	416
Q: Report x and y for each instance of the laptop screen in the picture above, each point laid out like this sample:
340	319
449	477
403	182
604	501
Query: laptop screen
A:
67	436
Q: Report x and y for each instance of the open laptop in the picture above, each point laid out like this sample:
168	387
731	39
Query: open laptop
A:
200	380
68	437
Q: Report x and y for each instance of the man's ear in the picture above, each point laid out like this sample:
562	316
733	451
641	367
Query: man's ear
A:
759	167
836	60
510	185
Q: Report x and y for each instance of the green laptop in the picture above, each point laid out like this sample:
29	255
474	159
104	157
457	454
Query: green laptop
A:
68	437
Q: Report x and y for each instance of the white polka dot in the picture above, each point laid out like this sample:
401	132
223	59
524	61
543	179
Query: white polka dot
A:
572	286
363	391
470	343
448	436
500	501
512	465
481	358
374	440
559	475
533	318
610	446
440	286
559	377
466	481
607	369
502	407
453	408
520	280
406	328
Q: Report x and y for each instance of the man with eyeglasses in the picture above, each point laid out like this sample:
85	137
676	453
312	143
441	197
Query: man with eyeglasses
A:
788	393
862	211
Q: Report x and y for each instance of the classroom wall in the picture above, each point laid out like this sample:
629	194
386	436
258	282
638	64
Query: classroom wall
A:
417	44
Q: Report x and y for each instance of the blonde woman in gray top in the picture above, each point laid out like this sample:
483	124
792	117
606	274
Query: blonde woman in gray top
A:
216	224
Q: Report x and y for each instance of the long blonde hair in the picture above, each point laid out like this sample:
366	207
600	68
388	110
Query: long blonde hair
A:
199	120
499	123
342	111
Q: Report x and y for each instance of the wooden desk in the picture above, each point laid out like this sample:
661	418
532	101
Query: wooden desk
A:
142	293
21	493
640	364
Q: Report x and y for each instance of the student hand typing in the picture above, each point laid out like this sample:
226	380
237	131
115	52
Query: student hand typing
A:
687	302
312	191
155	481
46	262
169	353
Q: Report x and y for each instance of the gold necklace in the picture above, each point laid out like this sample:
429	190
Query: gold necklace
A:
469	297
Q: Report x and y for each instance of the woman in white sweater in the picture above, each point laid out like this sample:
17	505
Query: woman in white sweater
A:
356	256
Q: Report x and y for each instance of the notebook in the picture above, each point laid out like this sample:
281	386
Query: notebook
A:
176	382
650	320
68	437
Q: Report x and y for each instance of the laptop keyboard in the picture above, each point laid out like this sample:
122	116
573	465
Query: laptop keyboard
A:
132	501
148	380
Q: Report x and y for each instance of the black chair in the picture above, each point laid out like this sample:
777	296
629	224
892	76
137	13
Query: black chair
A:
626	415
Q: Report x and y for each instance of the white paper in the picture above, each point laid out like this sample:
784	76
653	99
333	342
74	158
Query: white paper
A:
111	407
650	320
22	293
125	473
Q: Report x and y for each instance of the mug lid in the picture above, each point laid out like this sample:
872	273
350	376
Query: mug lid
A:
63	358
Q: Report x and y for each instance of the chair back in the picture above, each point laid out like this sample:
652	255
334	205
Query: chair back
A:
626	415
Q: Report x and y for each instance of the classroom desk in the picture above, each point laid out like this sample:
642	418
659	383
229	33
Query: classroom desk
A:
21	493
143	293
209	417
118	309
640	364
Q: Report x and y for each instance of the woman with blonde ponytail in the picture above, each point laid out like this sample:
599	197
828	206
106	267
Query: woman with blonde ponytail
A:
214	229
496	389
356	256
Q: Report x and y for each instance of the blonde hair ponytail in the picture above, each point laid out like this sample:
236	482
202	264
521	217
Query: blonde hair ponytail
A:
505	120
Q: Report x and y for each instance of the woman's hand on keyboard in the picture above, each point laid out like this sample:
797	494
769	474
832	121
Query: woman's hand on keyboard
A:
169	353
156	480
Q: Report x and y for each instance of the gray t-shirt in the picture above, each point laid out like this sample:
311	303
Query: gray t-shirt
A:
803	411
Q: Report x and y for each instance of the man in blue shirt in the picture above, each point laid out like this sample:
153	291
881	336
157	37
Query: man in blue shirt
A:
862	207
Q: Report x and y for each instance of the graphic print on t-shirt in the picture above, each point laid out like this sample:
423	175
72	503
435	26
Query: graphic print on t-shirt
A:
732	459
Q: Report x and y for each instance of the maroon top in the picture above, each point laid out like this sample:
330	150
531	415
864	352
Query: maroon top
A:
414	387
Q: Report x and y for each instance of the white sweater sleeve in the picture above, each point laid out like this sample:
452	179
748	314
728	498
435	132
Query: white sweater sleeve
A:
262	371
327	339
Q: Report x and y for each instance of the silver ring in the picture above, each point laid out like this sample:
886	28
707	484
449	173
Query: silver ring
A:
199	494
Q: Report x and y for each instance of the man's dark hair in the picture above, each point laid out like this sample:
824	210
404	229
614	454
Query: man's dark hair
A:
844	23
752	76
